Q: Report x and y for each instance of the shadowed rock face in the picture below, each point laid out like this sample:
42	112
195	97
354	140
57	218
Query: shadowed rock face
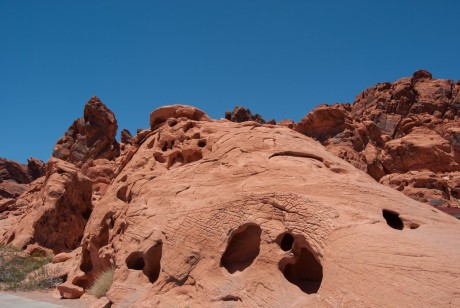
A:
15	179
405	134
56	210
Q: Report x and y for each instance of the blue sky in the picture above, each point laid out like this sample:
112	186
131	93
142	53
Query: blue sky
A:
278	58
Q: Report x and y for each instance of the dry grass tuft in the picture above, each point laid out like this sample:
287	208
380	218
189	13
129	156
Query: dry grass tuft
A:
102	283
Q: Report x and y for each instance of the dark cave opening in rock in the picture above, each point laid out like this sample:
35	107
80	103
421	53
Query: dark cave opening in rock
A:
242	249
305	272
393	220
152	259
135	261
148	262
287	241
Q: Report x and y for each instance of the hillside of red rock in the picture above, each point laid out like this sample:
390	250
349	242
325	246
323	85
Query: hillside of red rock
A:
405	134
238	212
15	179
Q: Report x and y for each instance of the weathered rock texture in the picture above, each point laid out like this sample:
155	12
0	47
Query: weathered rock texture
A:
90	137
55	212
215	213
404	134
15	179
241	114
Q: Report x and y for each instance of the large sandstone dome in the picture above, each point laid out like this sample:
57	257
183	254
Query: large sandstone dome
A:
204	213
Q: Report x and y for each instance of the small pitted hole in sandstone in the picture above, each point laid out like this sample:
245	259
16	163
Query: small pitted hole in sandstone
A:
152	259
111	222
304	271
414	226
124	178
196	135
83	281
230	298
151	143
159	157
172	122
286	242
11	238
393	219
201	143
175	158
135	261
86	214
243	248
188	126
338	170
122	193
297	154
165	147
86	264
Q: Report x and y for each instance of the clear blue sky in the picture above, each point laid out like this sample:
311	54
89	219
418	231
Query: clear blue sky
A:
278	58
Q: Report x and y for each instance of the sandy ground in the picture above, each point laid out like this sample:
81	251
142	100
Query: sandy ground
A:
51	297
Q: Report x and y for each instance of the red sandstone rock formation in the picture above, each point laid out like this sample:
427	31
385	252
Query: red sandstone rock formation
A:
198	212
91	137
210	212
241	114
404	134
15	179
55	212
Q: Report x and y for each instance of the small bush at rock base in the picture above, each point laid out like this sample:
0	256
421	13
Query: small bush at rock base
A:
102	283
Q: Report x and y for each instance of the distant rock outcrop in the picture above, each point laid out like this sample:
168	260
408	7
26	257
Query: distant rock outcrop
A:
404	134
15	179
90	137
241	114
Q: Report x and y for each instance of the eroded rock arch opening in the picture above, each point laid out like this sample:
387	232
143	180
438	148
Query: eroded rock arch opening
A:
285	241
242	249
152	259
305	271
393	220
149	262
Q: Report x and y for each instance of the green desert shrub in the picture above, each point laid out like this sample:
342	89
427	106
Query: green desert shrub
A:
15	267
102	283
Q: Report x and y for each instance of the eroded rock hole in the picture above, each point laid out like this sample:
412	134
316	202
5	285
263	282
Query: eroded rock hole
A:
304	271
159	157
188	126
242	249
287	241
152	259
230	298
201	143
172	122
148	262
86	264
135	261
393	220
